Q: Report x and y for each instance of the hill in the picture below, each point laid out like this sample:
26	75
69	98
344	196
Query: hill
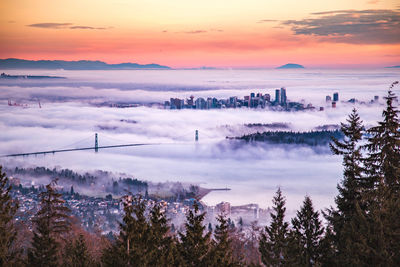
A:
393	67
291	66
313	138
14	63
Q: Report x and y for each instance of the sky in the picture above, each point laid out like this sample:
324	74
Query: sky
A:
186	33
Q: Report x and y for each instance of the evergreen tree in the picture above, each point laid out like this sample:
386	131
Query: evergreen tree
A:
306	235
162	250
194	245
77	254
274	240
50	222
383	162
382	230
221	254
328	249
9	253
131	247
350	190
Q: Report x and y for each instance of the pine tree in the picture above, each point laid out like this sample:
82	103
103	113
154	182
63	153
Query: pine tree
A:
51	222
350	190
221	253
162	250
328	249
306	235
383	162
194	245
77	254
9	253
382	234
274	239
131	248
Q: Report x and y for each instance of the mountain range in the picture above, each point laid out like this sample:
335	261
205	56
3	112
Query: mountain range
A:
14	63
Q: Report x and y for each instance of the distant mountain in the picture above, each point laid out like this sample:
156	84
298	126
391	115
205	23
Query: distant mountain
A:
13	63
291	66
394	67
13	77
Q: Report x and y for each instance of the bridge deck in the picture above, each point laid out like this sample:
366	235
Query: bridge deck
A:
70	149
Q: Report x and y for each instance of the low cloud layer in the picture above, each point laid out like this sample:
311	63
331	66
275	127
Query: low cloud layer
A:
68	119
374	26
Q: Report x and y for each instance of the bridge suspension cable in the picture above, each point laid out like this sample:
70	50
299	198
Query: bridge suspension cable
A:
96	146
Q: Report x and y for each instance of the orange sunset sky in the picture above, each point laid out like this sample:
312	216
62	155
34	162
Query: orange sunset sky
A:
218	33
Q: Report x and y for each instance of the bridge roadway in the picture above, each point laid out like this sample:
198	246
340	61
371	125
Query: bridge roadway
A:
71	149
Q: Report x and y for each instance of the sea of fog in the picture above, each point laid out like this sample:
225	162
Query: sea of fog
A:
71	113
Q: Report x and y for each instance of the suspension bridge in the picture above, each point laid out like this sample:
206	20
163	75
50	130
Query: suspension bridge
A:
95	148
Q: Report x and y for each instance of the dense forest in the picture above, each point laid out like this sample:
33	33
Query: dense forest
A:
274	125
312	138
106	182
363	229
63	174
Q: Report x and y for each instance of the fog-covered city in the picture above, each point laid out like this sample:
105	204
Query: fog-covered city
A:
56	114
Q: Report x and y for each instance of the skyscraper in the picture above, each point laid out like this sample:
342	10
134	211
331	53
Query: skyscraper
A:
336	97
277	96
200	103
328	98
283	96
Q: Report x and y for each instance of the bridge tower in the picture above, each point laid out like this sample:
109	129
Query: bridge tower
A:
96	143
196	137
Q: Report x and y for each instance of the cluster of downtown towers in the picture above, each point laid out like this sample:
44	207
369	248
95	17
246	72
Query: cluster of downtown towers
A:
251	101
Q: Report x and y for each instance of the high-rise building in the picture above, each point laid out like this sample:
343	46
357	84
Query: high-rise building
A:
167	104
277	95
328	98
336	97
200	103
209	104
190	101
233	101
267	97
214	102
177	103
283	95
